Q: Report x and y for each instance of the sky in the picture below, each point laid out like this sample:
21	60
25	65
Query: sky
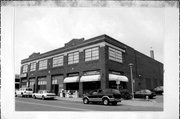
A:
42	29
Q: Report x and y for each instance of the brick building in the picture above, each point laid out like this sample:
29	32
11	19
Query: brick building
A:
83	65
17	81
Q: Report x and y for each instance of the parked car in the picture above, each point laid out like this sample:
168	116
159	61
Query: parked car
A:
125	94
24	92
158	90
144	93
44	94
105	96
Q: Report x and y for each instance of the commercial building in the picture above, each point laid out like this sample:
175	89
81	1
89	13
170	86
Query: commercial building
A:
83	65
17	81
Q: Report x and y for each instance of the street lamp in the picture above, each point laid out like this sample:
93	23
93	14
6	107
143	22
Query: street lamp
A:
132	87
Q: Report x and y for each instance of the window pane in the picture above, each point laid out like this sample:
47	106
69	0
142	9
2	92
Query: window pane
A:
73	58
92	54
115	55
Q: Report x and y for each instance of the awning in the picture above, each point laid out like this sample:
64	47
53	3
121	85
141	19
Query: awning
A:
90	78
71	79
114	77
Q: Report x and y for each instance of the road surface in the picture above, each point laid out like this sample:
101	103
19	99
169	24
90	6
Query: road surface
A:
30	104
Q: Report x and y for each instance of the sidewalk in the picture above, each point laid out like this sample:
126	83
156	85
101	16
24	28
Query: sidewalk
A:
69	99
135	102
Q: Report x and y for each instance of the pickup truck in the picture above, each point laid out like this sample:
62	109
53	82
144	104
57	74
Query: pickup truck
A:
24	92
105	96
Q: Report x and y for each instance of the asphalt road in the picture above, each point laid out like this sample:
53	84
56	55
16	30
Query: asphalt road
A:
30	104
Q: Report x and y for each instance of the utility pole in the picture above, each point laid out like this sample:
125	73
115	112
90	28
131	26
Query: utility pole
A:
132	86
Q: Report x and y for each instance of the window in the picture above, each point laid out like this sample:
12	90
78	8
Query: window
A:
57	61
33	66
115	55
73	58
43	64
91	73
41	82
25	68
54	81
92	54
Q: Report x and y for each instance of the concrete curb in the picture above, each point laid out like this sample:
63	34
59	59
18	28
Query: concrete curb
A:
69	99
135	102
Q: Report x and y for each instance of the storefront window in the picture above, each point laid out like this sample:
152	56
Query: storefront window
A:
42	83
91	73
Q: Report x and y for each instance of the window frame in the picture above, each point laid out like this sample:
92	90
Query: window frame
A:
33	66
115	55
42	62
25	68
73	58
91	54
58	61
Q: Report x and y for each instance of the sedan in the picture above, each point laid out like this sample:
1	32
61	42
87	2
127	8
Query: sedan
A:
144	93
44	94
158	90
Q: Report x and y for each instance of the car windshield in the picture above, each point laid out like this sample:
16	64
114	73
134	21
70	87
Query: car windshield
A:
47	91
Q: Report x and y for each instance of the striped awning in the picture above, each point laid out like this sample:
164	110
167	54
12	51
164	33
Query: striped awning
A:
90	78
71	79
114	77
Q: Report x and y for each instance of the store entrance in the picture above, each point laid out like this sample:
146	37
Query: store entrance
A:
88	86
55	89
72	86
122	85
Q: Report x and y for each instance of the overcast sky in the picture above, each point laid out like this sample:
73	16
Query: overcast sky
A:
44	29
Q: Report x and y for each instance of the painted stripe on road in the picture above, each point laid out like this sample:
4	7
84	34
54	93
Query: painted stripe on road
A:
53	106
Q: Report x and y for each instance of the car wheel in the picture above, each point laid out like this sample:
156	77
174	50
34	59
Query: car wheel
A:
114	103
43	98
105	101
22	95
85	101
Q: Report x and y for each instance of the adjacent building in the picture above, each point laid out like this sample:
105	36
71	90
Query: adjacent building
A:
83	65
17	81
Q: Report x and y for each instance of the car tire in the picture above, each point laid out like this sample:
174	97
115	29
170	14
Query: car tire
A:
105	101
22	95
114	103
43	98
85	101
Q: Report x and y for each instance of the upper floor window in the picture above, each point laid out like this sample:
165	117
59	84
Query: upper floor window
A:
58	61
43	64
115	55
25	68
92	54
73	58
33	66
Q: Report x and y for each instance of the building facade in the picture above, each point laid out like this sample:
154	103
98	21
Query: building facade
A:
83	65
17	81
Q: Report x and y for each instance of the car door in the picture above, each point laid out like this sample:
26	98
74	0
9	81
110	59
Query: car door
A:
38	95
94	96
100	94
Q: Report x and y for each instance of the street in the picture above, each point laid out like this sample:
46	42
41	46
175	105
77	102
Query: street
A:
30	104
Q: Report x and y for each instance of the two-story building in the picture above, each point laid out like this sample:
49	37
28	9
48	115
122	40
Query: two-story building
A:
83	65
